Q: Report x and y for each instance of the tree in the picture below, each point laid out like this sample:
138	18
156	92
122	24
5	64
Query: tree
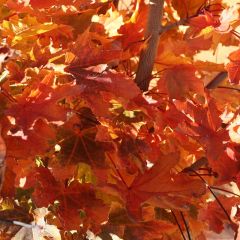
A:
119	119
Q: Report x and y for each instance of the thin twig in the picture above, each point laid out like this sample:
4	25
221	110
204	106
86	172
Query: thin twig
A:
230	88
196	165
186	226
224	190
179	227
204	174
215	196
18	223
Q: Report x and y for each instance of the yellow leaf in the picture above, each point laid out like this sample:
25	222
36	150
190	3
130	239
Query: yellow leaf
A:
33	31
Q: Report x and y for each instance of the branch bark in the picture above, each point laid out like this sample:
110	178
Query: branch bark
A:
196	165
147	57
115	3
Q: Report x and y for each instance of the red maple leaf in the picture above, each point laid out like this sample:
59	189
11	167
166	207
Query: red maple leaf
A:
160	181
41	102
233	67
73	199
214	214
178	81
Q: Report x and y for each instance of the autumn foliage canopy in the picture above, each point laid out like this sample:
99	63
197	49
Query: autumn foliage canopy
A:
89	150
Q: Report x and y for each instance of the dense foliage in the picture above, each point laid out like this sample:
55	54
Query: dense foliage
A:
89	152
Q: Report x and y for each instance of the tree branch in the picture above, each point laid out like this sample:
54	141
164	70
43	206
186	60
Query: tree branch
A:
217	80
230	88
115	3
196	165
153	31
147	57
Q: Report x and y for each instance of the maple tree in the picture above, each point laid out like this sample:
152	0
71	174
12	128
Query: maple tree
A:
119	119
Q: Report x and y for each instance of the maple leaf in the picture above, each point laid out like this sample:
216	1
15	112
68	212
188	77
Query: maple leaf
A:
103	87
33	142
233	67
204	20
83	141
81	197
214	214
15	71
227	158
234	130
46	188
159	181
206	129
132	31
77	141
18	30
187	7
149	230
167	58
8	186
173	45
72	199
179	80
93	49
211	25
41	102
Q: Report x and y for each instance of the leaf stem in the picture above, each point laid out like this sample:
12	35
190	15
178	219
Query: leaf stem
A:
117	170
224	190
